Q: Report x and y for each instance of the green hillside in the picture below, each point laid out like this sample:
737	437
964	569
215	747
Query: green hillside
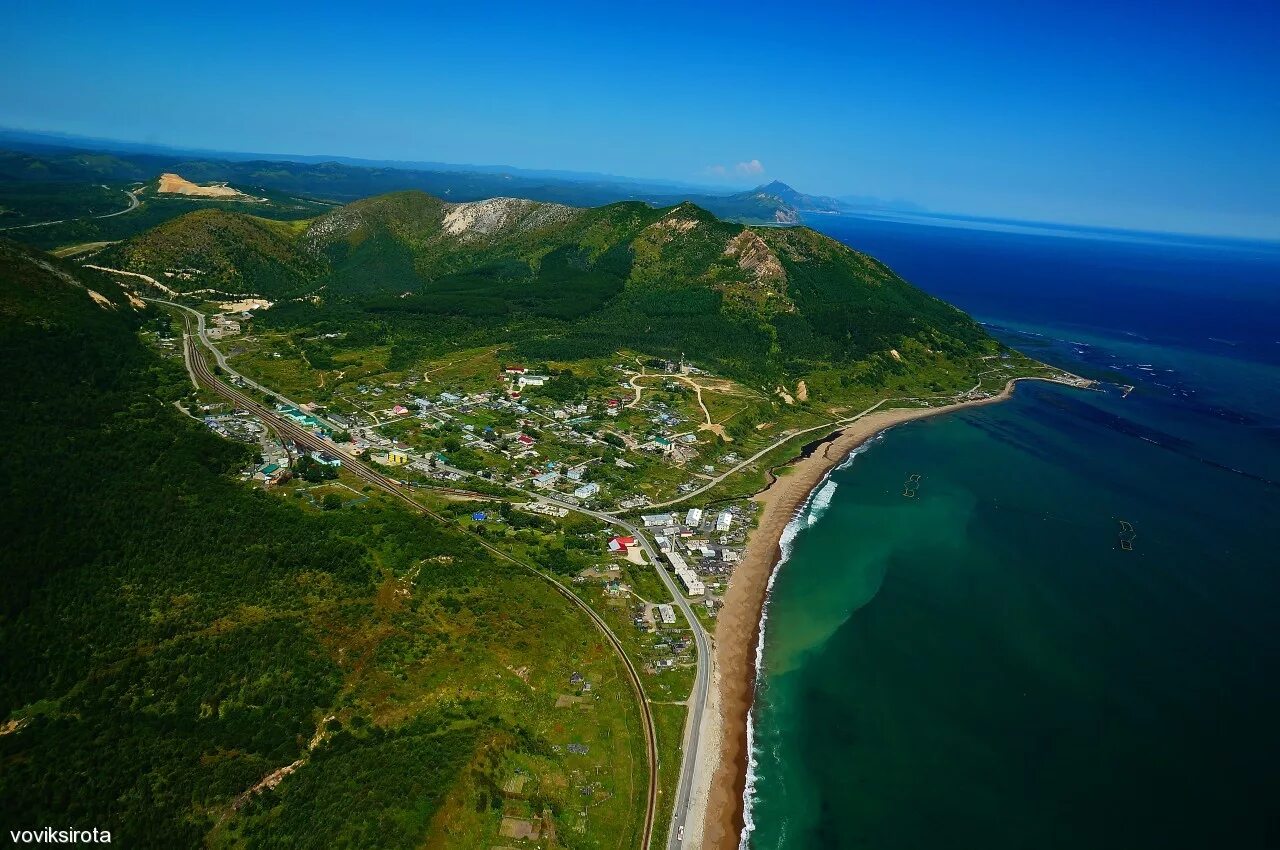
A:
53	166
215	249
758	303
172	636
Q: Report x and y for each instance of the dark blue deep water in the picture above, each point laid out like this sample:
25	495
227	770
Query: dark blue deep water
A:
985	665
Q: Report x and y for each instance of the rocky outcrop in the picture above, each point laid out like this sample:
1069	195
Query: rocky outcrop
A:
755	258
331	227
501	216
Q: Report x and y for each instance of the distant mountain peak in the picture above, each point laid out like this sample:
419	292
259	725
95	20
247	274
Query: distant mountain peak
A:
790	203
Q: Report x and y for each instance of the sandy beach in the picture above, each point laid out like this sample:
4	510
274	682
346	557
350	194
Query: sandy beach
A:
721	776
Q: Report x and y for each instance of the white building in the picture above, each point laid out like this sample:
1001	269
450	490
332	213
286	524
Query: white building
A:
666	614
693	518
531	380
586	491
688	577
653	520
723	521
544	508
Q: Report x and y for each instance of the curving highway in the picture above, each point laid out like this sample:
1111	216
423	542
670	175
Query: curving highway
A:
133	205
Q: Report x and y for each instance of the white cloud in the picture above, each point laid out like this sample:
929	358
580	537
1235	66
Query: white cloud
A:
749	168
717	170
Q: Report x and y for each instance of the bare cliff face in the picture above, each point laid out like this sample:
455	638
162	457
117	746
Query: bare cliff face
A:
766	285
420	218
501	215
755	258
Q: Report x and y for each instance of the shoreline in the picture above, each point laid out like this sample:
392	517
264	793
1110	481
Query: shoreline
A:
740	621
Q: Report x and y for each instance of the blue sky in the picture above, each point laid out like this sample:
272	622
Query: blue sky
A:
1150	116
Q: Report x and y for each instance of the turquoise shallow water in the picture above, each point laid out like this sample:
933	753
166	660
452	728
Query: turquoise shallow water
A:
984	666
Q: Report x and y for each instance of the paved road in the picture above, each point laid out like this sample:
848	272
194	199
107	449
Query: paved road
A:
697	702
1072	380
702	677
783	439
221	359
133	205
697	698
286	428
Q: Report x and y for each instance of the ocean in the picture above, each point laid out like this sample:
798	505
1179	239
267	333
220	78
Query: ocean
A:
985	664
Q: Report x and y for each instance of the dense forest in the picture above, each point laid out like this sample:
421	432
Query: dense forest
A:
763	305
41	181
170	637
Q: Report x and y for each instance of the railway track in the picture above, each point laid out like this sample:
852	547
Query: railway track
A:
199	368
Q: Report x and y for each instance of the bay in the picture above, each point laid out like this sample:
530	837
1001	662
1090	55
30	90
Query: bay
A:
983	664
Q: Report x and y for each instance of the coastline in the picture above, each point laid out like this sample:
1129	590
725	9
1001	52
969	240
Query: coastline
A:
725	759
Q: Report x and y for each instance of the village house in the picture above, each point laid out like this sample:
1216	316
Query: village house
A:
620	545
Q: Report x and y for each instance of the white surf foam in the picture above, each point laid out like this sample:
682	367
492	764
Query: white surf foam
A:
807	515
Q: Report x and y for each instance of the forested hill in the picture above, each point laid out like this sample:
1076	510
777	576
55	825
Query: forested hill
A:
756	302
31	172
170	637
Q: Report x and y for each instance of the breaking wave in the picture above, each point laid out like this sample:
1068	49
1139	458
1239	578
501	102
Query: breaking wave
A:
807	515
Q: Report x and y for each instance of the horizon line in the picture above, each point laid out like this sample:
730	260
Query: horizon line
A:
897	206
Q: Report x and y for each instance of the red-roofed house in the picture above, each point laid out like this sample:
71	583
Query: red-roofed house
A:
620	545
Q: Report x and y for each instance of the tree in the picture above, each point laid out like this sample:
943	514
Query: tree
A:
312	470
331	501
